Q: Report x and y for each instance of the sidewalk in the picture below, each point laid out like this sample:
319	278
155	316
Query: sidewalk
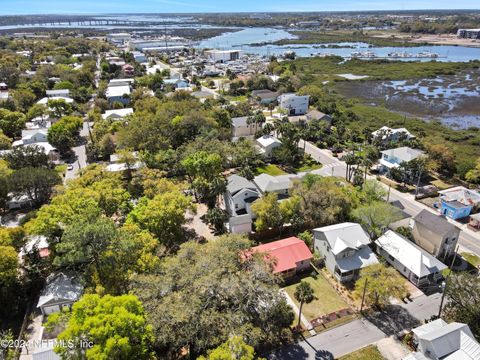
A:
303	319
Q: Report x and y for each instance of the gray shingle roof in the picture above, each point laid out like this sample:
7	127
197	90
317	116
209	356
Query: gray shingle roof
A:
268	183
235	183
434	223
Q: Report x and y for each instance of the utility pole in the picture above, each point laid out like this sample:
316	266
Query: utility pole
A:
363	295
446	282
389	188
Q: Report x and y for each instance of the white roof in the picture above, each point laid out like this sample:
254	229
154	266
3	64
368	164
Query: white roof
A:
38	241
392	131
414	258
291	95
45	146
269	183
360	259
45	100
452	341
123	167
117	91
344	236
267	140
58	92
404	153
462	195
60	287
121	81
117	113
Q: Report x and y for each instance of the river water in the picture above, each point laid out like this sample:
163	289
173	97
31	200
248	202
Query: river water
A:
243	39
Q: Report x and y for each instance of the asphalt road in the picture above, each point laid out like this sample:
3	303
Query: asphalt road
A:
334	167
80	155
332	343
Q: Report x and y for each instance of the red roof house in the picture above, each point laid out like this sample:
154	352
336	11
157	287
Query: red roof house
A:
291	255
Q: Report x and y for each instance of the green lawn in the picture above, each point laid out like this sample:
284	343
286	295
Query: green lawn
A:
271	169
308	164
367	353
471	258
327	300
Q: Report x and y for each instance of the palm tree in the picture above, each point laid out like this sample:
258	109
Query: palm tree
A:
349	160
304	295
268	129
367	162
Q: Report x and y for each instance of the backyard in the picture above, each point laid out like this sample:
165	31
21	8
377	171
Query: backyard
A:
326	299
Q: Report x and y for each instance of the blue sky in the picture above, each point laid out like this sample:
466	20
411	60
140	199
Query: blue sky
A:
165	6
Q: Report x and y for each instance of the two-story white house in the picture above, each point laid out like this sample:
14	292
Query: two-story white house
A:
241	127
294	104
240	195
345	249
392	158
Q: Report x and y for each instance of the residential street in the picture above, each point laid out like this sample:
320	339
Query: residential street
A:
80	154
469	240
333	343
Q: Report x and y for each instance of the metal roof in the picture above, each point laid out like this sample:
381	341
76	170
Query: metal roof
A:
413	257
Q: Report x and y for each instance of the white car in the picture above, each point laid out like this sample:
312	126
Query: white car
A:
70	167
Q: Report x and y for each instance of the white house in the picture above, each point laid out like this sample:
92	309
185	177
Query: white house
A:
439	340
267	143
61	291
222	55
120	94
280	185
388	134
294	104
409	259
240	127
345	249
117	114
394	157
32	137
119	38
38	137
240	195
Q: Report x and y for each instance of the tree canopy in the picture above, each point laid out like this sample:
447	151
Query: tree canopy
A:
115	326
205	293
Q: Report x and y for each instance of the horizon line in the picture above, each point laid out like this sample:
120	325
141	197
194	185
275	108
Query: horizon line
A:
241	12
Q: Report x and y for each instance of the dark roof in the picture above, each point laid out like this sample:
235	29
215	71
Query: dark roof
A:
435	223
236	183
264	94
